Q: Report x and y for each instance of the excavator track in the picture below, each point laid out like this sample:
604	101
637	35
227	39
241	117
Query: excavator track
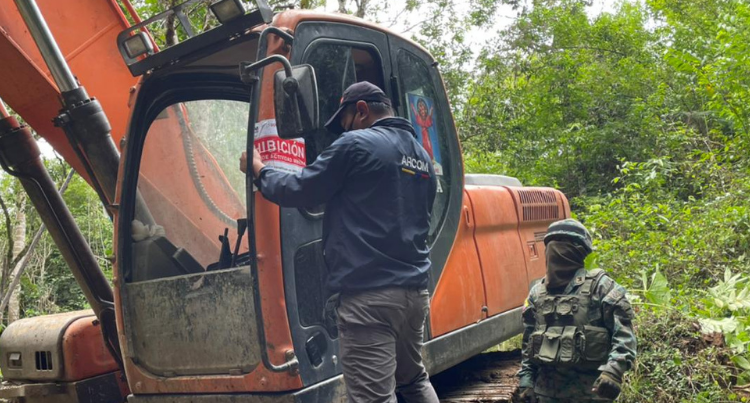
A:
486	378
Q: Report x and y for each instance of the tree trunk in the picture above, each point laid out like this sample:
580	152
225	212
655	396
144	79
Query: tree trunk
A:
19	269
22	262
170	36
6	260
361	8
19	242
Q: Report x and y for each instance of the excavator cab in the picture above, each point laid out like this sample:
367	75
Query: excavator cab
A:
203	308
219	294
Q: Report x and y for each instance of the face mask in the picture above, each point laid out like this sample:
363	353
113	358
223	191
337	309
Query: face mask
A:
564	259
351	122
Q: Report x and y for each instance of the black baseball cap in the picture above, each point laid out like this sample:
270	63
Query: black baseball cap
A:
361	91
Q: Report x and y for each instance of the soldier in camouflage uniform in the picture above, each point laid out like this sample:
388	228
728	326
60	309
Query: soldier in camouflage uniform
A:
578	339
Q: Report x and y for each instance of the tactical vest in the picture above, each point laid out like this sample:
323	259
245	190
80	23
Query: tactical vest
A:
569	327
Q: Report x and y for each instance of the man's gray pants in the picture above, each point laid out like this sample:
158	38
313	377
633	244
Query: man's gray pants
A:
380	339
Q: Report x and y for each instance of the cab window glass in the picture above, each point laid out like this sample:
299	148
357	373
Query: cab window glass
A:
425	109
337	66
190	190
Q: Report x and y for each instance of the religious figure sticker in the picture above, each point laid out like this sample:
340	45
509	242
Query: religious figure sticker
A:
423	116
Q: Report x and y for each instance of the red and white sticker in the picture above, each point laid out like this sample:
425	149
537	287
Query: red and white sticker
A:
285	155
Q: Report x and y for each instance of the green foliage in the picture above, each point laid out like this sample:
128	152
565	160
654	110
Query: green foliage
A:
563	98
711	50
640	117
725	310
676	363
657	290
169	32
704	342
676	243
643	225
47	285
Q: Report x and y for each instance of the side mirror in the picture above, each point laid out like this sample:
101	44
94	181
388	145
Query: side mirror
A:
296	102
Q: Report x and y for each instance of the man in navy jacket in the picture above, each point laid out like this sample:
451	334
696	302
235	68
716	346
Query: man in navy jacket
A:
379	185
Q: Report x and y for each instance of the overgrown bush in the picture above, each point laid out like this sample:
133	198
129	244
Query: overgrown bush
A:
676	362
685	260
640	116
645	225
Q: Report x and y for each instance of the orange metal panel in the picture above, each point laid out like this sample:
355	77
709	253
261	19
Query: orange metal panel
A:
32	95
86	32
537	208
500	248
84	351
459	296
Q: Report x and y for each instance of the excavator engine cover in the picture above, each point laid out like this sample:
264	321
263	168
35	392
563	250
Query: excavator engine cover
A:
64	357
63	347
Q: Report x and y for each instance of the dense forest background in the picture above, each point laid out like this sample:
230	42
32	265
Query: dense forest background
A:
638	113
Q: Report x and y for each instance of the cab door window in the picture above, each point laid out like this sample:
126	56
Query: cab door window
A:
424	108
337	66
191	187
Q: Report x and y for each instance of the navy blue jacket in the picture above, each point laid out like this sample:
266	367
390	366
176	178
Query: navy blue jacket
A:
379	185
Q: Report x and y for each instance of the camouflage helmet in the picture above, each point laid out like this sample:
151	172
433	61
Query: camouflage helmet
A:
569	230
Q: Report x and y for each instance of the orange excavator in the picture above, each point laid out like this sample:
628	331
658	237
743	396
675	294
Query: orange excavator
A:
219	294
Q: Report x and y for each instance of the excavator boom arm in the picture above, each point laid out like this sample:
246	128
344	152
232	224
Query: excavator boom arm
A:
86	32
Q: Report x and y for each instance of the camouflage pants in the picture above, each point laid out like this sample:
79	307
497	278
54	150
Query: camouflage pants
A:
569	385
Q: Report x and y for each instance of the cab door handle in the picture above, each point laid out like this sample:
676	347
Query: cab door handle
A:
467	216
